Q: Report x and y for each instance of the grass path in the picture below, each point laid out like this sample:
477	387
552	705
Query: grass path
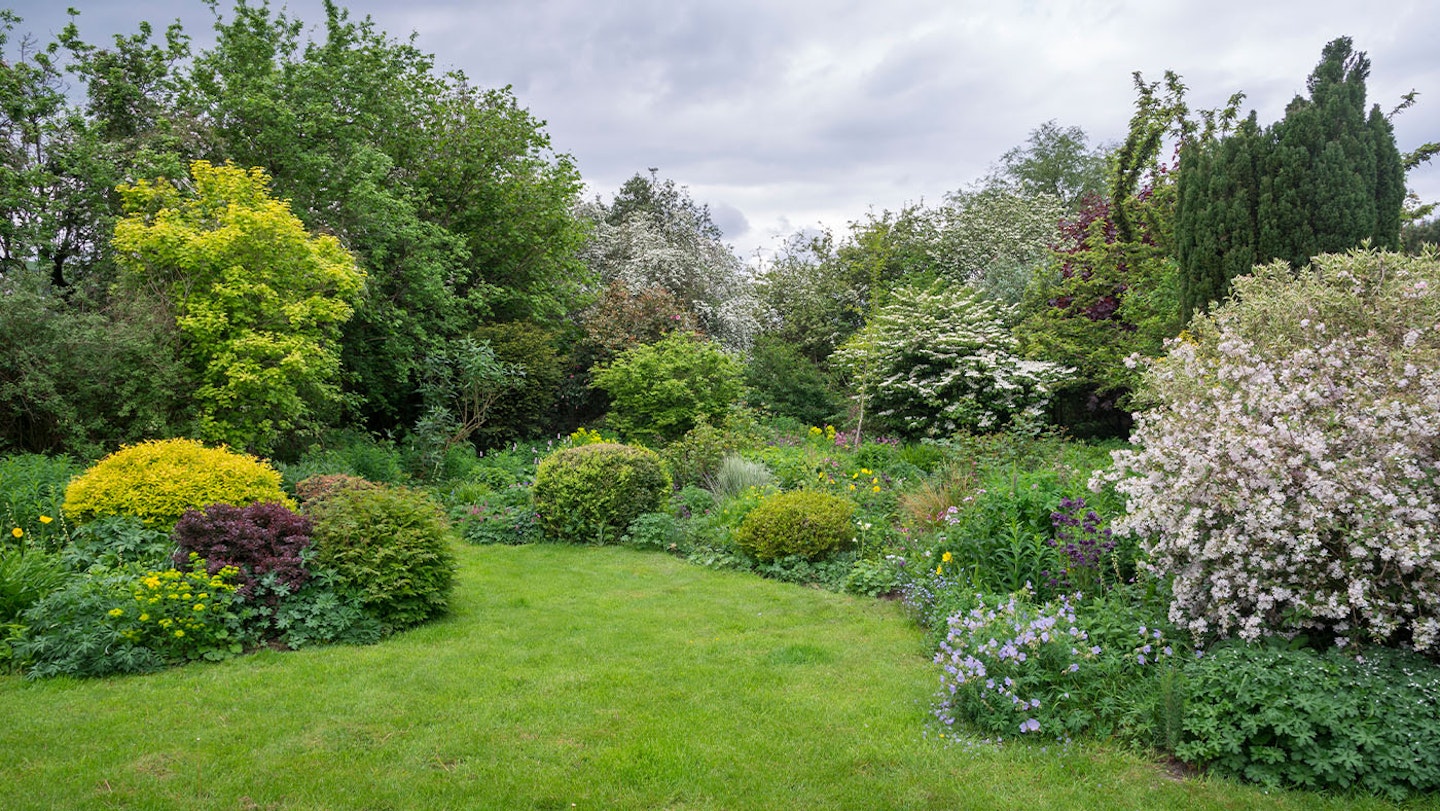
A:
566	678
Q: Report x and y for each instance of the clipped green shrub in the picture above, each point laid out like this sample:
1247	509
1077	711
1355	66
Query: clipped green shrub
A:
389	545
319	488
1316	720
158	481
593	492
801	523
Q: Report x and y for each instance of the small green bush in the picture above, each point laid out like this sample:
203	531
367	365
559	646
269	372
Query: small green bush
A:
595	491
1316	720
389	545
801	523
158	481
658	390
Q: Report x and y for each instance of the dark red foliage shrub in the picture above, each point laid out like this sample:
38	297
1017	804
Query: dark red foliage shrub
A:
258	539
318	488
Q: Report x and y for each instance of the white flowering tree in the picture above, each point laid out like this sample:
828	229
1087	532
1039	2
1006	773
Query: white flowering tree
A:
1287	470
933	361
653	236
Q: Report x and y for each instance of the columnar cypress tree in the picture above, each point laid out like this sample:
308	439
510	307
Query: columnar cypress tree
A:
1323	179
1216	230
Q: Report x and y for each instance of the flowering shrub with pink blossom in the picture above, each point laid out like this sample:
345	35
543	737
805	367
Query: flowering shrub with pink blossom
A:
1287	471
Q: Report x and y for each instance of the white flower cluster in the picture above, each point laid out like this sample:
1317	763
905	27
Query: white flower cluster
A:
942	360
1287	474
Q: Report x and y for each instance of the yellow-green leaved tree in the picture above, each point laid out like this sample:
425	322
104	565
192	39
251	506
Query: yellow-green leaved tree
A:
257	300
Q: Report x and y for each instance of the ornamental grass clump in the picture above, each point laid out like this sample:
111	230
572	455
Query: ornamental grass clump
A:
1286	474
158	481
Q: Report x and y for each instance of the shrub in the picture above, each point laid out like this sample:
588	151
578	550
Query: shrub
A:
158	481
802	523
933	362
255	540
1316	720
1287	474
348	452
595	491
390	545
319	488
657	391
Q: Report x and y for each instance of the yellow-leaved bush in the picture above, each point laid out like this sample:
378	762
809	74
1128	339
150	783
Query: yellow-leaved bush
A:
158	481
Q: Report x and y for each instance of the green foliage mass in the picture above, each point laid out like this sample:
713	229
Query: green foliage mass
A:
258	301
390	546
593	492
1324	179
1332	720
781	380
801	523
158	481
657	391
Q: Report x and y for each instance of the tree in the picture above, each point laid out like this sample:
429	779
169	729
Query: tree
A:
1324	178
1056	161
449	196
653	235
258	301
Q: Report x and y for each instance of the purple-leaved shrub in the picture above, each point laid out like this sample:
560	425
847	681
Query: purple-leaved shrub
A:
1287	473
257	540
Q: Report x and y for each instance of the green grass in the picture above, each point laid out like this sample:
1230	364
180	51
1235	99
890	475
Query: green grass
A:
568	678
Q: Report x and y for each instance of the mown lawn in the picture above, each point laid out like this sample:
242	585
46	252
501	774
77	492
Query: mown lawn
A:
568	678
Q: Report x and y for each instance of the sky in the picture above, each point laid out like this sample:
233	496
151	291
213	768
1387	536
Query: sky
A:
784	115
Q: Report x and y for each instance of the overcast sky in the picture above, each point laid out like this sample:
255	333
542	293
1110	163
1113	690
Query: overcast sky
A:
785	114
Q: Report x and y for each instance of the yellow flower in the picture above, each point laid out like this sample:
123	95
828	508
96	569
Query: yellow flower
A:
45	519
947	557
852	487
865	470
144	617
116	612
199	606
876	488
18	532
939	570
179	633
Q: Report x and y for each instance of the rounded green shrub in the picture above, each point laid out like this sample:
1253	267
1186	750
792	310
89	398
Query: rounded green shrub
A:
158	481
595	491
802	523
391	546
